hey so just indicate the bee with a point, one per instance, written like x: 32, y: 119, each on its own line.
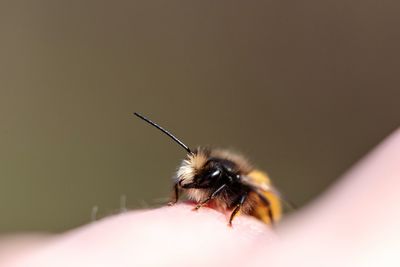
x: 225, y: 179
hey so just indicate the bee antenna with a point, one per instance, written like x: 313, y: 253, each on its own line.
x: 164, y: 131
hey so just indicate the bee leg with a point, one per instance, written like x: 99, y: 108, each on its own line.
x: 266, y: 202
x: 237, y: 208
x: 176, y: 195
x: 212, y: 196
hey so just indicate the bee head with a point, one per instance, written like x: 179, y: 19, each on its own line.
x: 204, y: 167
x: 201, y: 170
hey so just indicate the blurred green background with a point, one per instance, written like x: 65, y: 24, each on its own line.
x: 304, y: 88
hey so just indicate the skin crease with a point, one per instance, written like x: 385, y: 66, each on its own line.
x: 355, y: 223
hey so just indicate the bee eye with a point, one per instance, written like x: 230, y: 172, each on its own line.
x: 215, y: 173
x: 208, y: 178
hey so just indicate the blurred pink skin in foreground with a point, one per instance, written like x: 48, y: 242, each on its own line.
x: 356, y: 223
x: 170, y: 236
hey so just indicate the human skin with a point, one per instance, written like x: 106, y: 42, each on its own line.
x: 355, y: 223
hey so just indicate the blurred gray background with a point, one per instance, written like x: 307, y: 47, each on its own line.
x: 304, y: 88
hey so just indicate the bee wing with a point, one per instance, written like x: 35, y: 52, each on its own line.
x: 260, y: 187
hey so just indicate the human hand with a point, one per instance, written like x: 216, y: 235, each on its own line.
x: 355, y: 223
